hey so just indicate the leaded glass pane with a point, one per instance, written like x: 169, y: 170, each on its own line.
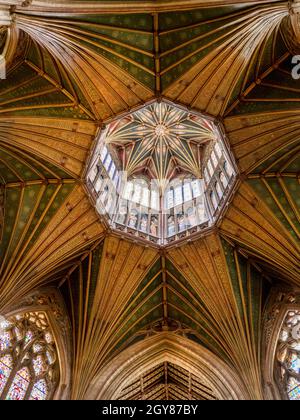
x: 39, y: 391
x: 6, y: 364
x: 19, y: 386
x: 28, y: 346
x: 288, y: 354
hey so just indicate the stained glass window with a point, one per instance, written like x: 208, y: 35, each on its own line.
x: 178, y: 195
x: 154, y: 199
x: 28, y: 358
x: 170, y: 198
x: 128, y: 190
x: 39, y: 391
x: 180, y: 151
x: 103, y: 153
x: 288, y: 354
x: 107, y: 162
x: 223, y: 180
x: 6, y: 364
x: 19, y: 386
x: 213, y: 200
x: 137, y: 193
x: 218, y: 189
x: 214, y: 159
x: 228, y: 169
x: 196, y: 187
x: 98, y: 184
x: 145, y: 197
x: 187, y: 192
x: 218, y: 150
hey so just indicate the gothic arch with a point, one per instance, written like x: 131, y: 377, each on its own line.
x: 50, y: 302
x: 160, y: 348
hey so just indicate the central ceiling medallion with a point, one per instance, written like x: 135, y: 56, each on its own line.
x: 160, y: 173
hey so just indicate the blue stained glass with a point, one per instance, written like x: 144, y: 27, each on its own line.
x: 295, y: 393
x: 295, y: 363
x: 39, y: 391
x: 19, y: 386
x: 38, y: 365
x: 37, y: 347
x: 5, y: 340
x: 6, y: 364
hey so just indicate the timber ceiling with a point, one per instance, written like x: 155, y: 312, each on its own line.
x: 167, y: 382
x: 75, y: 64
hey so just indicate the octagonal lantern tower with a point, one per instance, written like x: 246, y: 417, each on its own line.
x: 161, y: 173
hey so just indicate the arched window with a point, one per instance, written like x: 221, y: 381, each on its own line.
x: 170, y: 198
x: 137, y: 192
x: 218, y: 150
x: 93, y: 173
x: 154, y: 204
x: 228, y: 169
x: 28, y: 358
x: 107, y: 161
x: 288, y: 354
x: 210, y: 168
x: 128, y: 190
x: 219, y: 190
x: 133, y: 218
x: 223, y: 180
x: 112, y: 170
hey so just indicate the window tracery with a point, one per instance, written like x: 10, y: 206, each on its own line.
x: 161, y: 194
x: 288, y: 354
x: 28, y: 358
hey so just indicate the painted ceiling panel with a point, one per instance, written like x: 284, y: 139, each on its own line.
x: 225, y: 54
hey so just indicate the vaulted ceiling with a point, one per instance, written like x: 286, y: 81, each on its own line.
x: 72, y: 65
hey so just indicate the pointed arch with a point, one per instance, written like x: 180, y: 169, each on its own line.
x: 160, y: 348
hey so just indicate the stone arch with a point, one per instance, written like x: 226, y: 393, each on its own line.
x: 50, y: 302
x: 280, y: 302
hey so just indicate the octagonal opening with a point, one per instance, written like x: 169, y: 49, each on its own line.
x: 161, y: 172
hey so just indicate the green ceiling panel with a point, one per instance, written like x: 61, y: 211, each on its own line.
x: 272, y: 194
x: 11, y: 206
